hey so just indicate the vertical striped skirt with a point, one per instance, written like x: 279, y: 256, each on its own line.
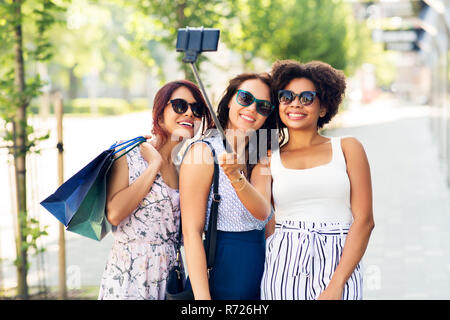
x: 301, y: 258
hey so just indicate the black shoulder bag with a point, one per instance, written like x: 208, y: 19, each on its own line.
x: 175, y: 289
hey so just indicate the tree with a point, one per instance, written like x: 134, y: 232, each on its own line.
x: 113, y: 39
x: 169, y: 16
x: 80, y: 44
x: 302, y: 30
x: 23, y: 41
x: 252, y: 27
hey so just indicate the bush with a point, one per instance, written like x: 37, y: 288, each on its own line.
x: 140, y: 104
x: 105, y: 106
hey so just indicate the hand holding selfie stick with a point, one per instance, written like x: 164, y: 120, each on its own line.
x: 193, y: 41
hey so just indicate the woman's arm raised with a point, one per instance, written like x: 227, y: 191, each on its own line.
x: 254, y: 195
x: 123, y: 198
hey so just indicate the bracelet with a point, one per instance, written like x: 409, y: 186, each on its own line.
x: 241, y: 177
x: 243, y: 186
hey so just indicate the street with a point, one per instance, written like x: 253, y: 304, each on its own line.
x: 408, y: 256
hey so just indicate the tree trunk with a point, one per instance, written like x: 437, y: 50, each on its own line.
x: 20, y: 142
x: 73, y: 83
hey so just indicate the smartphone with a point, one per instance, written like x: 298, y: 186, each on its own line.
x: 196, y: 40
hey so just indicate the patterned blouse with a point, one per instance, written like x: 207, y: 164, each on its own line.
x: 144, y: 242
x: 232, y: 214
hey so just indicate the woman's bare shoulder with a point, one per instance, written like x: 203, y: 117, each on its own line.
x: 351, y: 144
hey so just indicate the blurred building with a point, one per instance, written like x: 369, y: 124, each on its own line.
x: 420, y: 30
x: 435, y: 53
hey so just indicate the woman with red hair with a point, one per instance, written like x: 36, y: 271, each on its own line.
x: 143, y: 199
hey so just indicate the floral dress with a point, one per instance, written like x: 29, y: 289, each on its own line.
x: 144, y: 243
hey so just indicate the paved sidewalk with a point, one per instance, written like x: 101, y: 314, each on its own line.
x: 408, y: 254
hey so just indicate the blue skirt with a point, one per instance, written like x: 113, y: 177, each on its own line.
x: 238, y: 267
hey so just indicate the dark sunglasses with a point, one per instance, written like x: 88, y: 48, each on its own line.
x: 245, y: 99
x: 306, y: 98
x: 180, y: 106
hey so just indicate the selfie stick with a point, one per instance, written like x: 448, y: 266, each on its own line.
x: 211, y: 111
x: 192, y: 45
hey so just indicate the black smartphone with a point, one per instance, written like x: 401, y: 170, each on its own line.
x: 196, y: 40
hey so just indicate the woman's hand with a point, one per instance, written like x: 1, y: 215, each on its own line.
x: 122, y: 197
x: 332, y: 292
x: 149, y: 152
x: 231, y: 165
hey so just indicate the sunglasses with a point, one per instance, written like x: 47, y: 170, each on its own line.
x: 180, y: 106
x: 245, y: 99
x: 306, y: 98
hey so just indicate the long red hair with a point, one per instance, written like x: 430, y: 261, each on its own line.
x: 162, y: 98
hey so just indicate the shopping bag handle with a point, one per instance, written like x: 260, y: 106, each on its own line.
x: 133, y: 143
x: 128, y: 142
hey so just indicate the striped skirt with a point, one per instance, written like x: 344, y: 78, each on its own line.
x: 301, y: 257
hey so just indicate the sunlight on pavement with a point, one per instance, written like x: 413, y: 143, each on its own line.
x: 379, y: 111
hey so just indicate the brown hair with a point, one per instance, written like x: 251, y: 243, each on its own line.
x: 329, y: 82
x: 230, y: 92
x: 162, y: 99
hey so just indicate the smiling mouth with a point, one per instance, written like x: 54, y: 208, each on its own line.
x: 186, y: 124
x: 247, y: 118
x: 296, y: 116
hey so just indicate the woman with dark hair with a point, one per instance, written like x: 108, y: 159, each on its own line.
x: 321, y: 191
x: 245, y: 111
x: 143, y: 199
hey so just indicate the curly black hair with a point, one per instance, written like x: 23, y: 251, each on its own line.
x: 329, y: 82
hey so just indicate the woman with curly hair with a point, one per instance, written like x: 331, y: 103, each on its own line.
x: 321, y: 192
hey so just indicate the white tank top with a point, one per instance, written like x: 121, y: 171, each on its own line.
x: 318, y: 194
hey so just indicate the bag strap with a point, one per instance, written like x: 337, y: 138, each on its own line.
x: 128, y: 142
x: 211, y: 233
x: 133, y: 143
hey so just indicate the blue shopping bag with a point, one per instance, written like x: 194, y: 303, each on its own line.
x: 79, y: 203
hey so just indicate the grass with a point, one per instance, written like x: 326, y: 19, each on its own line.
x: 35, y: 293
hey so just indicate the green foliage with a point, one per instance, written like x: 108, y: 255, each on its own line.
x: 140, y: 104
x: 24, y: 27
x: 103, y: 106
x: 32, y: 230
x: 108, y: 39
x: 44, y: 14
x: 166, y: 17
x: 302, y: 30
x: 121, y: 40
x: 385, y: 66
x: 36, y: 20
x: 106, y: 106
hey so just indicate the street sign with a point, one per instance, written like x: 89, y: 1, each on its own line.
x: 396, y: 9
x: 398, y: 40
x: 401, y: 46
x: 411, y: 35
x: 389, y: 9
